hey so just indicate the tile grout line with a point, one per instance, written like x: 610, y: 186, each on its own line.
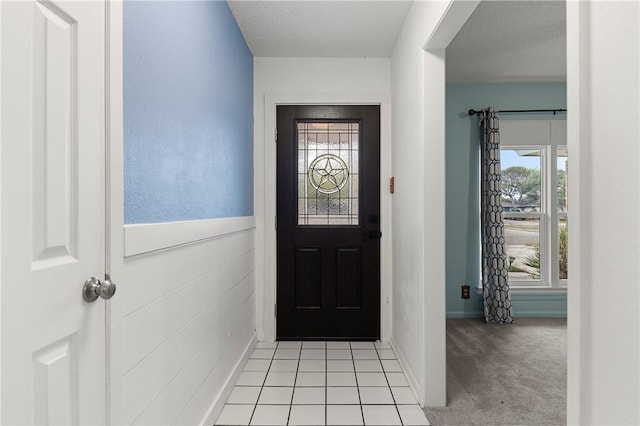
x: 299, y: 359
x: 326, y: 383
x: 384, y: 371
x: 355, y: 374
x: 263, y: 382
x: 295, y: 379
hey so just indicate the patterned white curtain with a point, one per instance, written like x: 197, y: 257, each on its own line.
x: 495, y: 275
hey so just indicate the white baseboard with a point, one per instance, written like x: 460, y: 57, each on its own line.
x: 541, y: 314
x: 218, y: 403
x: 464, y: 314
x: 518, y: 314
x: 408, y: 372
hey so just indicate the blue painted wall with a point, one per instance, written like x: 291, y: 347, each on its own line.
x: 188, y: 112
x: 463, y: 209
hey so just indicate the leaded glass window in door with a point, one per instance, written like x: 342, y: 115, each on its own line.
x: 328, y: 173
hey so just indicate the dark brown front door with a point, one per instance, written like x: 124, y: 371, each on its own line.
x: 328, y: 222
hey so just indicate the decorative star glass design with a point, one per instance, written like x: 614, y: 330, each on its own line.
x: 328, y: 173
x: 328, y: 165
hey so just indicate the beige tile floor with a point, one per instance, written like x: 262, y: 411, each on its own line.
x: 322, y: 383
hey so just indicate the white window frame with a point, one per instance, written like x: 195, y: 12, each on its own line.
x: 555, y: 216
x: 547, y: 136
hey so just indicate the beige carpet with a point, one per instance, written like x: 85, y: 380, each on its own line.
x: 505, y: 375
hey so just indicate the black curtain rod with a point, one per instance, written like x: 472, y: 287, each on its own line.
x: 554, y: 111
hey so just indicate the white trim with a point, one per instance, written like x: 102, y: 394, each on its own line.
x: 530, y: 291
x: 108, y: 353
x: 450, y: 23
x: 266, y: 240
x: 464, y: 315
x: 521, y: 314
x: 218, y: 402
x: 115, y: 212
x: 579, y: 298
x: 542, y: 314
x: 433, y: 346
x: 148, y: 237
x: 1, y: 144
x: 409, y: 374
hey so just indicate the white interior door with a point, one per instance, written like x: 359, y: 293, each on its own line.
x: 53, y: 211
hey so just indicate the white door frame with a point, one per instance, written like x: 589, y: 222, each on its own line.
x: 266, y: 240
x: 115, y: 209
x: 578, y: 122
x: 434, y: 381
x: 1, y: 141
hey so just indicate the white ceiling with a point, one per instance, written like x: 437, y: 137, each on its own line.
x: 510, y: 41
x: 320, y: 28
x: 503, y: 41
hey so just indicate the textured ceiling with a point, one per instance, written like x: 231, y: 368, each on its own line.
x: 510, y: 41
x: 320, y: 28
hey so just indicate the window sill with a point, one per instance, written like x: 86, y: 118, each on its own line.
x: 538, y: 290
x: 522, y: 290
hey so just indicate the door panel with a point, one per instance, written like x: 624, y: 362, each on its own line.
x: 54, y: 383
x: 53, y: 211
x: 348, y: 278
x: 328, y: 236
x: 54, y: 143
x: 308, y: 275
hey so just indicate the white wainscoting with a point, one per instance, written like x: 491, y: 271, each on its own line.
x: 147, y: 237
x: 188, y: 316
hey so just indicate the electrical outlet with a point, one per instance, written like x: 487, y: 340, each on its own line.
x: 466, y: 292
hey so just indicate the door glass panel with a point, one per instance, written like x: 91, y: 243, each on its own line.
x: 328, y: 173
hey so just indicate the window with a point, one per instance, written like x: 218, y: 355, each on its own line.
x: 563, y: 224
x: 534, y: 205
x: 328, y: 173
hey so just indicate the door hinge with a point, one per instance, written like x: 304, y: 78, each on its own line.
x: 275, y: 311
x: 275, y: 135
x: 275, y: 223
